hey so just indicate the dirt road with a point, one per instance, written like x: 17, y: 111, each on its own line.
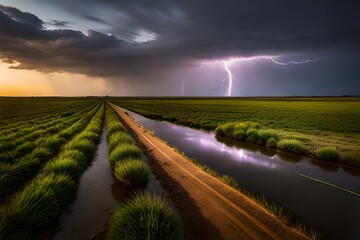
x: 209, y: 208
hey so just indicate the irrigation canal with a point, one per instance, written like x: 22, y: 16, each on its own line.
x: 323, y: 196
x: 97, y: 198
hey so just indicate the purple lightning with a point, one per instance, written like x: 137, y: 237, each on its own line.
x: 230, y: 76
x: 291, y: 62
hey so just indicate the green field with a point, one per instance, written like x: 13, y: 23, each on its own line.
x: 46, y: 144
x: 316, y: 122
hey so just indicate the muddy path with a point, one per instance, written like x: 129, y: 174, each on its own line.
x: 215, y: 209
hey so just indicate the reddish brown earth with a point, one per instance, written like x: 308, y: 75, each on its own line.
x: 209, y: 209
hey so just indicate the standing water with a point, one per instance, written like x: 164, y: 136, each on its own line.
x: 97, y: 199
x: 290, y: 180
x: 91, y: 210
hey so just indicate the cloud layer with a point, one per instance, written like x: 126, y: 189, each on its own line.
x: 185, y: 32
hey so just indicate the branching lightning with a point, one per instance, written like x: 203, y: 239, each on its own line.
x: 230, y: 76
x: 291, y: 62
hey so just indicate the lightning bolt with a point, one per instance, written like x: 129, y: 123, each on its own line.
x: 292, y: 62
x: 230, y: 76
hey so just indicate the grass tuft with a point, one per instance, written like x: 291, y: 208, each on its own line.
x: 252, y: 135
x: 66, y: 166
x: 124, y: 152
x: 117, y: 139
x: 144, y: 217
x: 73, y: 154
x: 270, y: 143
x: 353, y: 159
x: 329, y: 154
x: 239, y: 135
x: 54, y: 143
x: 264, y: 135
x: 291, y: 145
x: 114, y: 127
x: 43, y: 154
x: 25, y: 148
x: 132, y: 171
x: 83, y: 145
x: 37, y: 206
x: 93, y: 137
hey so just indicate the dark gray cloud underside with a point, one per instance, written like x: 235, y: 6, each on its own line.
x: 186, y: 31
x: 59, y: 23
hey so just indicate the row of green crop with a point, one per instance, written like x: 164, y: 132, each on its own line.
x: 33, y: 109
x: 42, y: 201
x: 22, y: 129
x: 14, y: 175
x: 37, y: 114
x: 124, y: 156
x: 9, y: 146
x: 251, y: 132
x: 143, y: 216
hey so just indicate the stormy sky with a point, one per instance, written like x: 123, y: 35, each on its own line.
x: 165, y: 47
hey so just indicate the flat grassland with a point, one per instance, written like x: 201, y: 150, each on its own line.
x: 45, y: 146
x: 316, y: 122
x: 32, y: 131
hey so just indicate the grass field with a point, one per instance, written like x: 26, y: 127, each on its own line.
x: 34, y: 134
x: 47, y: 143
x: 316, y: 122
x: 44, y: 150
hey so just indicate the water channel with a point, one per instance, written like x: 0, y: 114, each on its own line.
x: 287, y: 179
x: 97, y: 198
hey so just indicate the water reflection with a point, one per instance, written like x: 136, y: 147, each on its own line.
x: 351, y: 171
x: 325, y: 166
x: 276, y: 174
x: 121, y: 191
x: 236, y: 153
x: 291, y: 158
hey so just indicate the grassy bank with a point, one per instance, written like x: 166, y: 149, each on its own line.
x: 315, y: 122
x: 252, y: 132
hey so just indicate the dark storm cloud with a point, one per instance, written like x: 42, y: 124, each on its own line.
x: 23, y: 17
x: 59, y: 24
x: 185, y: 30
x: 95, y: 19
